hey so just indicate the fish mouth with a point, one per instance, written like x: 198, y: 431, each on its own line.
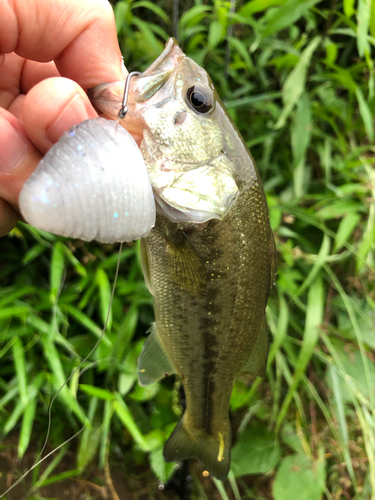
x: 107, y: 97
x: 171, y: 57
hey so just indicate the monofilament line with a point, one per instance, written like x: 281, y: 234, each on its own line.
x: 38, y: 462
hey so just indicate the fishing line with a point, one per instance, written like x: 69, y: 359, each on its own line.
x: 38, y: 462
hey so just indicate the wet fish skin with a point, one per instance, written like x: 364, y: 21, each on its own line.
x: 211, y: 267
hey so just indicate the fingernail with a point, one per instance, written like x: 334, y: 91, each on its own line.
x: 12, y: 145
x: 73, y: 113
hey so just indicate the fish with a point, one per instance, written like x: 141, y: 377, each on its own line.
x: 209, y: 262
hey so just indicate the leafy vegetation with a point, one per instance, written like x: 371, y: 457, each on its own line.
x: 298, y: 80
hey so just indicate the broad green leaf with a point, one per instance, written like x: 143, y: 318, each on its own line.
x: 349, y: 7
x: 297, y: 473
x: 339, y: 208
x: 345, y: 229
x: 258, y: 6
x: 145, y: 393
x: 363, y: 23
x: 353, y: 369
x: 215, y: 34
x: 295, y: 83
x: 372, y: 19
x: 332, y: 52
x: 161, y: 468
x: 256, y: 452
x: 194, y: 15
x: 290, y: 437
x: 238, y: 46
x: 121, y: 10
x: 286, y: 15
x: 156, y: 9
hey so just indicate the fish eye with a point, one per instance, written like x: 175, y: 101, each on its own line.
x: 200, y: 99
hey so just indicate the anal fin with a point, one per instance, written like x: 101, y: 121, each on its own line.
x: 153, y: 362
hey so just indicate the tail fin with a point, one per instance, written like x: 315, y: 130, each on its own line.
x: 212, y: 450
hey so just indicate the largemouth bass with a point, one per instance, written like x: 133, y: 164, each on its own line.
x: 209, y: 262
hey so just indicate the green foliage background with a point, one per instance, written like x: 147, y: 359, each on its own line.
x: 297, y: 77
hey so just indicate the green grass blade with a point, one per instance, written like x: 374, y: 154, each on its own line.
x: 20, y: 365
x: 127, y: 419
x: 314, y: 318
x: 57, y: 271
x: 104, y: 288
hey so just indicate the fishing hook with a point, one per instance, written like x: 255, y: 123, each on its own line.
x: 124, y: 106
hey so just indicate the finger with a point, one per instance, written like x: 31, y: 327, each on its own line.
x: 8, y: 217
x: 10, y: 75
x: 17, y: 106
x: 18, y: 159
x: 51, y: 108
x: 34, y: 72
x: 80, y: 35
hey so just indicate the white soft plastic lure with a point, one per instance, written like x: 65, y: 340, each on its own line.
x: 93, y: 185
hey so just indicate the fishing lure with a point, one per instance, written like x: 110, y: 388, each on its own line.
x: 92, y: 184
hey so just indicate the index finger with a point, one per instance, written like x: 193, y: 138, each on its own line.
x: 79, y: 35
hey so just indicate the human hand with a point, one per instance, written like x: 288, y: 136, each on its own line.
x: 50, y: 53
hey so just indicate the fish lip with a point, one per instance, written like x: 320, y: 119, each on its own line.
x: 171, y: 57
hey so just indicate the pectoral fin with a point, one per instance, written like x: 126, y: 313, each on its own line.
x: 153, y: 362
x: 257, y: 362
x: 186, y: 268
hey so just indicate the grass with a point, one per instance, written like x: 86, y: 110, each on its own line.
x: 300, y: 87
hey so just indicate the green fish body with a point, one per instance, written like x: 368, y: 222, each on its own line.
x: 209, y: 262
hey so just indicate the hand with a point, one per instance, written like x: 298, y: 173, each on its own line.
x: 50, y: 53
